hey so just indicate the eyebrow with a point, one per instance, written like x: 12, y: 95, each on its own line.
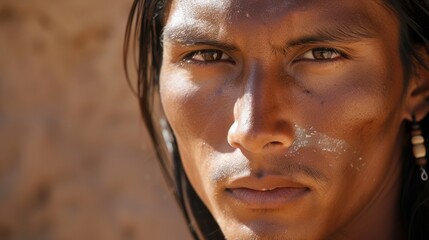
x: 339, y: 33
x: 190, y: 36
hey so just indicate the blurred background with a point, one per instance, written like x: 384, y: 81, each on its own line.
x: 75, y: 160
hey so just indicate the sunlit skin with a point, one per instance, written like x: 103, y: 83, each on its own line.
x: 289, y: 114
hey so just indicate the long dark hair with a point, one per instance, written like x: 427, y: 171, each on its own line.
x: 143, y: 39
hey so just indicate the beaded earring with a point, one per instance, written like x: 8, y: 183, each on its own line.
x: 419, y: 148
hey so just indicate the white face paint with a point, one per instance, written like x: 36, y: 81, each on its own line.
x: 314, y: 139
x: 304, y: 138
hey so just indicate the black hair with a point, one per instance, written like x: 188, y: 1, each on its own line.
x: 143, y: 32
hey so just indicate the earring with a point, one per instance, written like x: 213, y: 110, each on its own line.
x: 419, y: 148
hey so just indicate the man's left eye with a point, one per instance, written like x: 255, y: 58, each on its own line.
x: 322, y: 54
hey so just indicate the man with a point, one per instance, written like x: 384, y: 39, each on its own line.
x: 289, y: 117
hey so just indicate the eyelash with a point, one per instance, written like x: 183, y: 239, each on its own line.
x: 312, y: 55
x: 218, y: 56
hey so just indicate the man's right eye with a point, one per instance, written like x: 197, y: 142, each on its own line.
x: 207, y: 56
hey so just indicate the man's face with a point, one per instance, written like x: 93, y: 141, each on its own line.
x: 287, y: 113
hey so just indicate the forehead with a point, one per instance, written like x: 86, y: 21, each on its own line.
x: 227, y: 16
x: 233, y: 8
x: 210, y: 10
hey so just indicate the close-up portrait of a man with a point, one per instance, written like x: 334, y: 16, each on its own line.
x: 288, y: 119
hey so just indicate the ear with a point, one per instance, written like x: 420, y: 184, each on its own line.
x: 418, y: 89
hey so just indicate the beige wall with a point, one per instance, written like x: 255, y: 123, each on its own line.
x: 75, y: 162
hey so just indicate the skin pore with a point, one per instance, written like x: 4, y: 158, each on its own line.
x: 289, y: 114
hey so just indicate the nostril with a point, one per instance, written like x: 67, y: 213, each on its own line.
x: 273, y: 144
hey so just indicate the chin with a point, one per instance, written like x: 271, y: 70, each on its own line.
x: 259, y: 230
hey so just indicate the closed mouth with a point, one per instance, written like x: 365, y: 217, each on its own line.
x: 270, y: 192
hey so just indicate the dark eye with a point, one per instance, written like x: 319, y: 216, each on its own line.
x: 320, y: 54
x: 207, y: 56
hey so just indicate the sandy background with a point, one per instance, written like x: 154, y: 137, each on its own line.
x: 75, y: 162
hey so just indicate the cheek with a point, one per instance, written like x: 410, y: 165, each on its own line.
x: 178, y: 98
x: 362, y: 104
x: 368, y: 115
x: 200, y: 120
x: 378, y: 101
x: 363, y: 109
x: 197, y: 108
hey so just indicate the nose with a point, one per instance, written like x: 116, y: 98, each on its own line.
x: 261, y: 113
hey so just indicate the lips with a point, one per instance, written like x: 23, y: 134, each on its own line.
x: 270, y: 192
